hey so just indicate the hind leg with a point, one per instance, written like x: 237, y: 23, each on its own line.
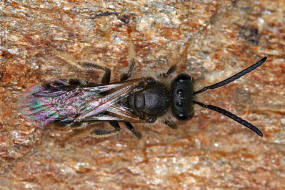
x: 125, y: 77
x: 115, y: 124
x: 84, y: 66
x: 105, y: 80
x: 107, y: 72
x: 106, y: 133
x: 133, y: 130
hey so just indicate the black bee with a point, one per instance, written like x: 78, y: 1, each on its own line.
x: 140, y: 100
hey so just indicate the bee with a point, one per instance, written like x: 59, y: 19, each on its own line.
x: 140, y: 100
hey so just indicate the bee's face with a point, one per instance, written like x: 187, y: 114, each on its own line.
x: 182, y: 97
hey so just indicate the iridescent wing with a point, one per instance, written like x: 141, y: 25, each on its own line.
x: 60, y: 101
x: 35, y: 105
x: 106, y: 107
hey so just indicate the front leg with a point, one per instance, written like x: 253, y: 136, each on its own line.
x: 170, y: 70
x: 170, y: 124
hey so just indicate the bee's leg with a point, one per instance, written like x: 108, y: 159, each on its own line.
x: 105, y: 80
x: 115, y: 124
x: 107, y: 75
x: 150, y: 119
x: 133, y: 130
x: 99, y: 133
x: 76, y: 126
x: 84, y: 64
x: 170, y: 70
x: 69, y: 123
x: 127, y: 75
x: 107, y: 133
x: 77, y: 82
x: 170, y: 124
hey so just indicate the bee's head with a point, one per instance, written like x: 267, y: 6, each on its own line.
x: 182, y: 97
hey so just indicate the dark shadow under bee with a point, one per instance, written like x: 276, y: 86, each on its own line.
x: 72, y: 102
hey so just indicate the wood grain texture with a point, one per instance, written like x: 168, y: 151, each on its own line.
x: 211, y: 40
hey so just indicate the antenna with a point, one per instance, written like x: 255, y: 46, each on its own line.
x: 225, y: 82
x: 234, y: 77
x: 232, y: 116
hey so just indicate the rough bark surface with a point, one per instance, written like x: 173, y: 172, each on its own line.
x: 210, y: 40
